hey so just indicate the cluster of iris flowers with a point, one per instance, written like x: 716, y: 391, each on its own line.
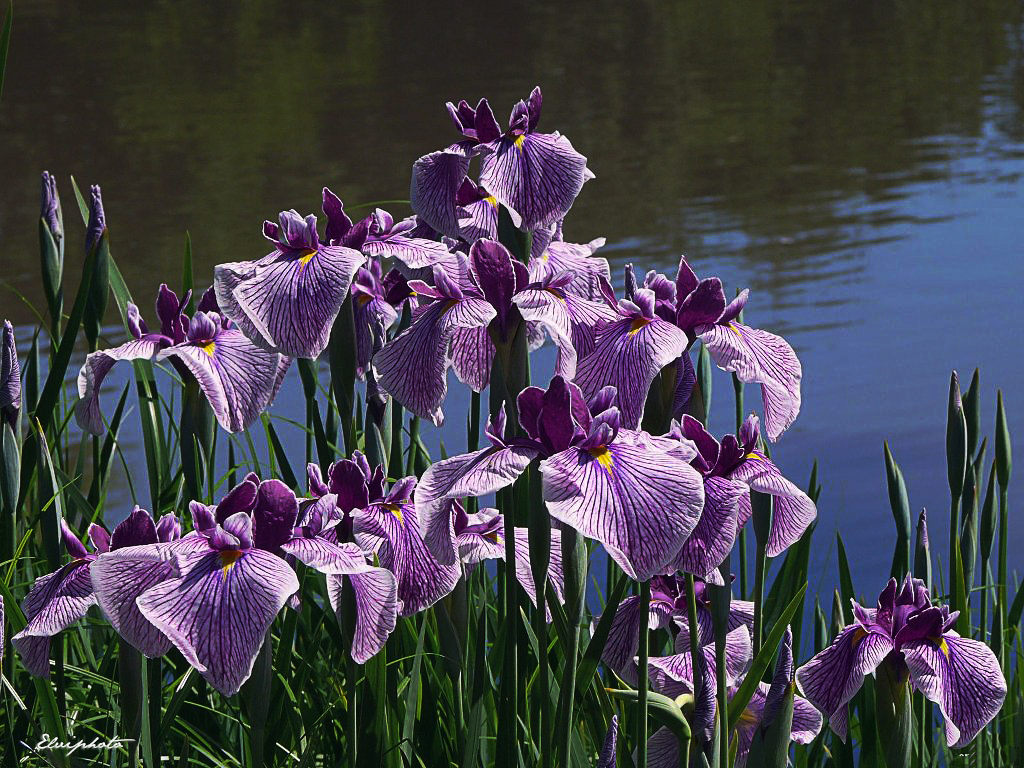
x: 614, y: 441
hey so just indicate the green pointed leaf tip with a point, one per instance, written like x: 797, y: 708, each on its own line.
x: 1004, y: 453
x: 898, y: 500
x: 972, y: 411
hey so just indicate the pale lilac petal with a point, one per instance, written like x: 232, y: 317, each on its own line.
x: 412, y: 366
x: 119, y: 578
x: 621, y: 646
x: 587, y: 270
x: 963, y: 677
x: 436, y: 179
x: 640, y: 503
x: 55, y: 602
x: 793, y: 510
x: 472, y: 355
x: 94, y: 371
x: 628, y: 355
x: 757, y: 356
x: 326, y: 556
x: 830, y: 679
x: 237, y: 377
x: 218, y: 612
x: 524, y: 573
x: 662, y: 750
x: 471, y: 474
x: 414, y: 253
x: 679, y: 667
x: 537, y: 176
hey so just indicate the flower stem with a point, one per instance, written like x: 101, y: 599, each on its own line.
x: 641, y: 682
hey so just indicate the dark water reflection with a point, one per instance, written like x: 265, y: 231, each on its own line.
x: 857, y: 165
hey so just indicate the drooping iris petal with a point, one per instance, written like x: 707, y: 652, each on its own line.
x: 807, y: 722
x: 422, y: 580
x: 375, y: 590
x: 415, y: 253
x: 621, y: 648
x: 963, y: 677
x: 524, y: 573
x: 472, y: 474
x: 121, y: 576
x: 679, y: 667
x: 412, y: 366
x: 472, y: 355
x: 830, y: 679
x: 436, y: 179
x: 94, y: 371
x: 711, y: 541
x: 662, y: 750
x: 587, y: 270
x: 756, y: 356
x: 237, y: 377
x: 218, y: 611
x: 287, y: 301
x: 55, y: 602
x: 793, y: 510
x: 537, y: 176
x: 638, y: 501
x: 628, y: 354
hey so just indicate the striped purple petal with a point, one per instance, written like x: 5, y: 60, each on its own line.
x: 287, y: 301
x: 95, y: 369
x: 238, y: 378
x: 537, y: 176
x: 831, y: 678
x: 637, y: 500
x: 627, y: 355
x: 412, y: 367
x: 679, y: 667
x: 218, y: 611
x: 794, y: 510
x: 524, y: 572
x: 662, y: 750
x: 436, y: 179
x: 377, y: 608
x: 711, y: 541
x: 472, y: 355
x: 578, y: 260
x: 963, y: 677
x: 807, y: 722
x: 55, y: 602
x: 759, y: 357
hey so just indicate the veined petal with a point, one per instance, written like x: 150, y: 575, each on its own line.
x: 471, y: 474
x: 119, y: 578
x: 679, y: 667
x: 218, y: 612
x: 435, y: 182
x: 640, y: 503
x: 587, y: 270
x: 472, y: 354
x: 963, y: 677
x: 830, y: 679
x: 377, y: 608
x: 328, y: 557
x: 807, y: 722
x: 662, y: 750
x: 237, y: 377
x: 621, y: 647
x: 712, y: 539
x: 524, y: 573
x: 287, y: 302
x: 414, y: 253
x: 628, y: 354
x: 536, y: 176
x: 90, y: 378
x: 794, y: 510
x: 55, y: 602
x: 763, y: 358
x: 412, y: 366
x: 422, y: 580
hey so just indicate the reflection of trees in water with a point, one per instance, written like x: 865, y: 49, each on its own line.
x: 772, y: 133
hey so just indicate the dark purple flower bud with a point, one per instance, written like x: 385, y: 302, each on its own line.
x: 10, y: 378
x: 50, y: 208
x: 97, y: 220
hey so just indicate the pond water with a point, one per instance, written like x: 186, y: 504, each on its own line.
x: 858, y: 166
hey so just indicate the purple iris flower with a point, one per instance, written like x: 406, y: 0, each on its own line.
x: 238, y: 378
x: 917, y: 641
x: 536, y: 176
x: 461, y: 315
x: 663, y: 747
x: 10, y: 378
x: 287, y: 301
x: 377, y: 299
x: 385, y: 523
x: 636, y: 494
x: 667, y: 609
x: 61, y: 598
x: 590, y: 274
x: 738, y: 463
x: 213, y: 593
x: 481, y: 536
x: 662, y: 320
x: 402, y: 241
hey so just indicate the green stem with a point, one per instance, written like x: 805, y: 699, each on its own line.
x: 694, y: 628
x: 574, y: 567
x: 641, y: 675
x: 129, y: 673
x: 762, y: 511
x: 998, y: 643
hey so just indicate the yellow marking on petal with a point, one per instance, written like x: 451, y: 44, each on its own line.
x: 228, y: 558
x: 858, y: 636
x: 396, y: 510
x: 604, y: 458
x: 363, y: 299
x: 942, y: 645
x: 520, y: 140
x: 637, y: 324
x: 208, y: 348
x: 492, y: 200
x: 452, y: 304
x: 753, y: 455
x: 747, y: 717
x: 307, y: 256
x: 493, y: 537
x: 735, y: 330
